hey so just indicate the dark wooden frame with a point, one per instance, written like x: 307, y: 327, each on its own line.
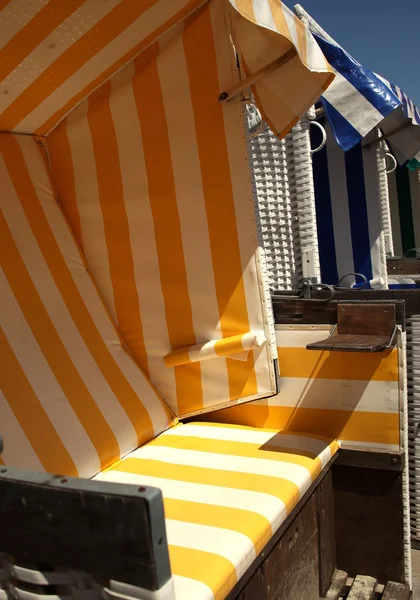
x: 403, y: 266
x: 368, y: 485
x: 111, y: 530
x: 299, y: 560
x: 322, y: 310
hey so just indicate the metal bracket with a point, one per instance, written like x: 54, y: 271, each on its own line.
x: 391, y: 339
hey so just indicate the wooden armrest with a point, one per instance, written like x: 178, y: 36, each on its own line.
x: 111, y: 530
x: 352, y: 343
x: 361, y: 327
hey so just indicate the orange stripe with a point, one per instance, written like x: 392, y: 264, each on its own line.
x: 318, y: 364
x: 59, y: 150
x: 279, y: 20
x: 301, y: 36
x: 227, y: 346
x: 75, y: 304
x: 31, y: 415
x: 268, y: 451
x: 380, y: 428
x: 34, y: 32
x: 149, y: 39
x: 246, y: 8
x: 218, y: 193
x: 55, y: 352
x: 117, y: 233
x: 219, y: 574
x: 73, y: 59
x: 162, y: 197
x: 4, y: 3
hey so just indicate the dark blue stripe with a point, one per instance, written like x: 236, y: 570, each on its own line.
x: 359, y: 224
x: 364, y: 80
x: 324, y: 220
x: 345, y: 134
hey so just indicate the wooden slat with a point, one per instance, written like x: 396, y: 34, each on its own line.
x: 361, y: 327
x: 369, y: 522
x: 366, y: 319
x: 336, y: 587
x: 273, y: 546
x: 363, y: 588
x: 351, y: 343
x: 404, y: 266
x: 371, y: 459
x: 326, y: 527
x: 291, y: 571
x: 291, y: 311
x: 396, y: 591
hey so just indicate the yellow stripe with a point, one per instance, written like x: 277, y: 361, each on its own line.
x: 106, y: 74
x: 283, y: 489
x: 75, y: 304
x: 227, y: 346
x: 380, y: 428
x: 123, y: 391
x: 301, y: 36
x: 168, y: 235
x: 34, y: 32
x: 304, y: 458
x: 117, y: 233
x: 31, y: 415
x: 247, y: 522
x: 218, y: 194
x: 279, y: 20
x: 246, y: 8
x: 55, y: 352
x: 73, y: 59
x: 232, y: 425
x: 318, y: 364
x: 219, y: 575
x: 59, y: 151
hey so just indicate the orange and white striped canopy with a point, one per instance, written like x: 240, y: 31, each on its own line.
x: 54, y: 53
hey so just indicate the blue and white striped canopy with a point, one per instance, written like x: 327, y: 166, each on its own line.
x: 359, y: 100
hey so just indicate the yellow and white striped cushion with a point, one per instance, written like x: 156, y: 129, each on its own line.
x: 226, y: 490
x: 337, y: 394
x: 72, y: 399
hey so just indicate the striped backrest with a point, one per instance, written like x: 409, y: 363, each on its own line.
x: 348, y: 210
x: 345, y: 395
x: 404, y: 198
x: 72, y: 399
x: 151, y: 173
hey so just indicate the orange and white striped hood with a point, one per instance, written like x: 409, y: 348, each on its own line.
x: 54, y: 53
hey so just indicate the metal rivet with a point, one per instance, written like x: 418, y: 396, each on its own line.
x: 223, y: 96
x: 142, y: 489
x: 394, y: 460
x: 4, y: 471
x: 64, y: 480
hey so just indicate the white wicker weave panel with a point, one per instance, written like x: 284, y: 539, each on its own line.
x: 384, y: 200
x: 302, y: 193
x: 413, y: 398
x: 269, y: 178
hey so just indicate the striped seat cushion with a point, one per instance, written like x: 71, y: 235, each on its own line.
x: 226, y: 490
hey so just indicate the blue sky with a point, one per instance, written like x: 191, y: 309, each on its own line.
x: 383, y: 35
